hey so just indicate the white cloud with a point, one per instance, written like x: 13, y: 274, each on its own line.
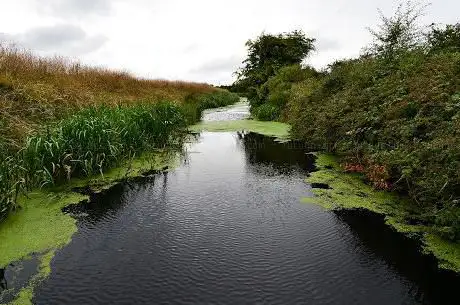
x: 73, y: 8
x: 200, y: 40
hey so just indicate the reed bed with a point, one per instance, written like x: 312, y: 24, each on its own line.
x: 60, y: 119
x: 35, y: 89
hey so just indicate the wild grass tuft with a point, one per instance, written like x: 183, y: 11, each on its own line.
x: 86, y: 144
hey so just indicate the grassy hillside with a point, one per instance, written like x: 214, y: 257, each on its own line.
x: 59, y: 119
x: 35, y: 89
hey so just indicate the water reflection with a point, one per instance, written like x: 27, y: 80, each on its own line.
x: 428, y: 284
x: 260, y: 149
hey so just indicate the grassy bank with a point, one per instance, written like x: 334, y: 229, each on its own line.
x: 66, y: 126
x: 61, y: 120
x: 36, y: 90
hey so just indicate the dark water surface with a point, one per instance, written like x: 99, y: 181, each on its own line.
x: 228, y: 227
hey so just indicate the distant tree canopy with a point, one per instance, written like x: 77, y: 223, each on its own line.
x: 267, y: 54
x: 445, y: 39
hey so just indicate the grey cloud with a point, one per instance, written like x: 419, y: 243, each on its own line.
x: 75, y: 8
x: 215, y: 66
x: 61, y: 38
x: 326, y: 44
x: 53, y: 36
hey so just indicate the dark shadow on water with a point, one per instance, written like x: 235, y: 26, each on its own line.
x: 260, y: 149
x: 3, y: 282
x: 432, y: 285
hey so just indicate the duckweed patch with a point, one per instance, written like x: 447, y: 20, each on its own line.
x: 274, y: 129
x: 348, y: 191
x: 40, y: 226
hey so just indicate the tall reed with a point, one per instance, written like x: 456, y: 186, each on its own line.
x: 86, y: 144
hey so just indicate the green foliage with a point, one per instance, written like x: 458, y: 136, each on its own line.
x: 195, y: 104
x: 444, y: 39
x: 278, y: 88
x: 86, y: 144
x: 266, y: 112
x: 407, y: 121
x: 266, y: 55
x: 95, y: 139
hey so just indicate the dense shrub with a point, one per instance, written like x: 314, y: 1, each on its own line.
x: 277, y: 91
x: 393, y: 113
x: 266, y: 112
x: 405, y: 120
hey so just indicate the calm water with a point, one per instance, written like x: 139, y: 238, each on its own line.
x: 228, y: 227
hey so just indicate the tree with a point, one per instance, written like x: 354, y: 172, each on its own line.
x: 398, y: 33
x: 445, y: 39
x: 267, y: 54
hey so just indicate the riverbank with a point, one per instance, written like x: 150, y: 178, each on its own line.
x: 37, y: 225
x: 338, y: 190
x: 69, y: 131
x: 40, y: 227
x: 61, y: 120
x: 391, y: 114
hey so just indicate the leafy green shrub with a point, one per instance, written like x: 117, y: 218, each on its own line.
x: 266, y: 112
x: 406, y: 119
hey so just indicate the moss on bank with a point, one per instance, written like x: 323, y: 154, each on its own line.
x: 348, y: 191
x: 275, y: 129
x: 40, y: 227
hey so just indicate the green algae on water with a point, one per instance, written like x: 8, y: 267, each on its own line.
x: 348, y: 191
x: 275, y: 129
x: 37, y: 226
x: 40, y: 226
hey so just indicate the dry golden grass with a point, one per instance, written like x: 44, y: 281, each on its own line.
x: 34, y: 89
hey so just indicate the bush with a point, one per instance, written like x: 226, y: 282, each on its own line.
x: 405, y: 120
x: 266, y: 112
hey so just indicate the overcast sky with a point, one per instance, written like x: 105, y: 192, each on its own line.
x: 198, y: 40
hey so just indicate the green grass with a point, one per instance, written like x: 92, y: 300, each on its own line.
x: 87, y: 144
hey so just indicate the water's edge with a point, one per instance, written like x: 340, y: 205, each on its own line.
x: 75, y: 198
x: 346, y: 191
